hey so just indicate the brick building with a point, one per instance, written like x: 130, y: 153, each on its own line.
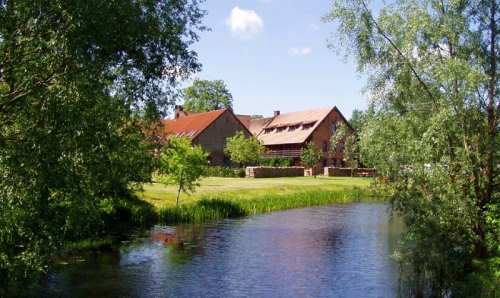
x: 285, y: 135
x: 208, y: 129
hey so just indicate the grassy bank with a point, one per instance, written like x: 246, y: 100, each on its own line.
x: 243, y: 189
x: 220, y: 198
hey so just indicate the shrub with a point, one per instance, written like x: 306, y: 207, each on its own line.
x: 276, y: 162
x: 224, y: 172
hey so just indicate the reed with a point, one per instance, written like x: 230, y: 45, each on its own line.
x: 208, y: 209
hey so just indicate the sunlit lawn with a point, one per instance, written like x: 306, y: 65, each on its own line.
x: 245, y: 188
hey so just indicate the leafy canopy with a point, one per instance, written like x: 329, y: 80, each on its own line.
x: 243, y: 149
x: 182, y: 164
x: 432, y: 129
x: 205, y: 96
x: 309, y: 156
x: 73, y: 77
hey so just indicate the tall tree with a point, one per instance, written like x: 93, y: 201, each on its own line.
x: 433, y: 129
x: 72, y: 76
x: 357, y: 120
x: 204, y: 96
x: 243, y: 149
x: 311, y: 158
x: 182, y: 164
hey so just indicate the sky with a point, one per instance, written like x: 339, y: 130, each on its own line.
x: 272, y: 55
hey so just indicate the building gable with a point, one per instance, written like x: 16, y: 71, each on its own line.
x: 290, y: 128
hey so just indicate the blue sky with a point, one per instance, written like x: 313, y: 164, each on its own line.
x: 273, y: 55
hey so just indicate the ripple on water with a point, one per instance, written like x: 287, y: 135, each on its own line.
x: 329, y: 251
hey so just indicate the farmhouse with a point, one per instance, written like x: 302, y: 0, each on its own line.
x: 284, y: 135
x: 209, y: 130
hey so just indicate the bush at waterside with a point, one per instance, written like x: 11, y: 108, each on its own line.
x: 215, y: 209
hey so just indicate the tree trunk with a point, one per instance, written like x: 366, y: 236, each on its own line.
x: 177, y: 198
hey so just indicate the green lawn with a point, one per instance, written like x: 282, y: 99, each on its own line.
x: 245, y: 188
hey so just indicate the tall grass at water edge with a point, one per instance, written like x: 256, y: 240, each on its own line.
x: 208, y: 209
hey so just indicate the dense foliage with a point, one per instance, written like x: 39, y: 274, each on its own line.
x: 74, y: 75
x: 205, y: 96
x: 276, y: 162
x: 432, y: 130
x: 225, y: 172
x: 243, y: 149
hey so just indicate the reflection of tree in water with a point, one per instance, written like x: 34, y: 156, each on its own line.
x: 183, y: 242
x: 330, y: 238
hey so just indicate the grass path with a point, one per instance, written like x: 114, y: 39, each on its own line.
x: 245, y: 188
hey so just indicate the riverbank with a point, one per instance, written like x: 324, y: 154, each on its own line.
x: 220, y: 198
x: 160, y: 196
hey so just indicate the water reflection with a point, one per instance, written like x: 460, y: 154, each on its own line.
x: 331, y: 251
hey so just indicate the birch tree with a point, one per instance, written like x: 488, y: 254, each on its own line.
x: 433, y: 129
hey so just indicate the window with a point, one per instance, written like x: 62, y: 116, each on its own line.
x: 308, y: 124
x: 268, y: 130
x: 280, y: 129
x: 342, y: 147
x: 325, y: 146
x: 192, y: 133
x: 226, y: 161
x: 323, y: 163
x: 292, y: 128
x: 334, y: 127
x: 224, y: 144
x: 334, y: 163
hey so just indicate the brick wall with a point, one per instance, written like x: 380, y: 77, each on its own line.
x: 213, y: 138
x: 273, y: 172
x: 323, y: 133
x: 346, y: 172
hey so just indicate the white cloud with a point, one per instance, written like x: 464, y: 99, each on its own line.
x: 244, y: 24
x: 299, y: 51
x: 314, y: 26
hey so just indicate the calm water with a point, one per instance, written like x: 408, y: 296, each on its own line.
x: 332, y: 251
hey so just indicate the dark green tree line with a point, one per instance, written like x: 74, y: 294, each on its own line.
x: 73, y: 75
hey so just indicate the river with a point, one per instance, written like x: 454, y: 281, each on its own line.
x: 340, y: 250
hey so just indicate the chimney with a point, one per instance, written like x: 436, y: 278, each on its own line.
x: 276, y: 113
x: 178, y: 111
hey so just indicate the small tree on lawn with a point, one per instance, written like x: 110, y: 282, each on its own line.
x: 182, y: 164
x: 310, y: 158
x: 243, y: 149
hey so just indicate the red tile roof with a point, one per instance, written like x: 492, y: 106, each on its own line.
x: 191, y: 125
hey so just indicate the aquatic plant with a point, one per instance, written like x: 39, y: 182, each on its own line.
x: 215, y: 208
